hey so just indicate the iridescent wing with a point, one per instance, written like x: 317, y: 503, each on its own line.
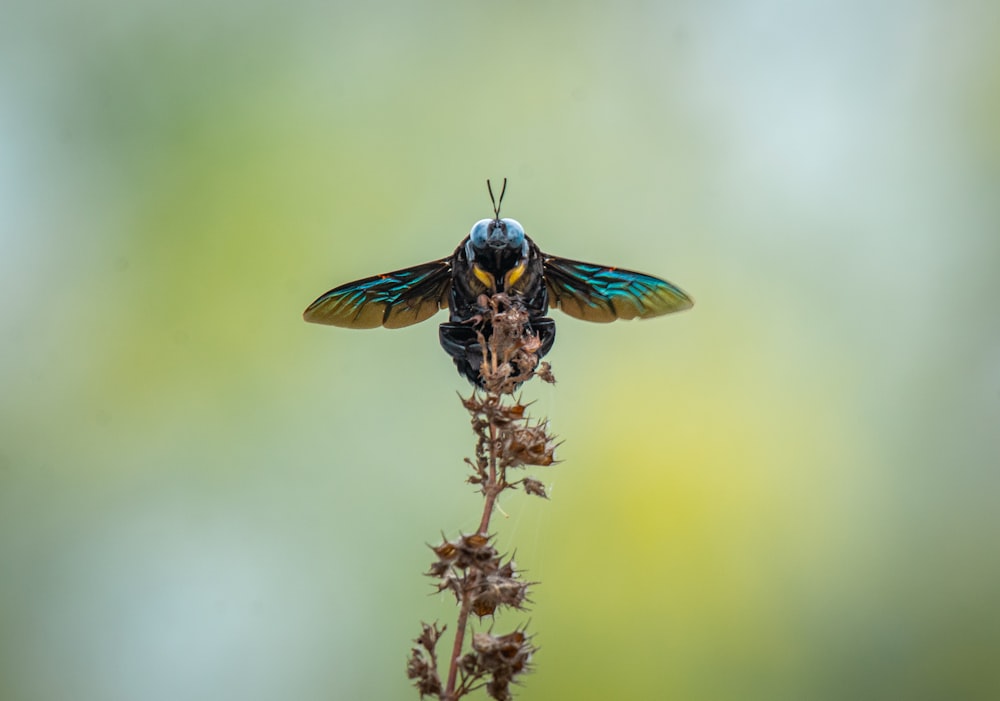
x: 392, y: 300
x: 597, y: 293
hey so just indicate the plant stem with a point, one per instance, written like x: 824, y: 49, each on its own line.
x: 491, y: 490
x: 456, y: 649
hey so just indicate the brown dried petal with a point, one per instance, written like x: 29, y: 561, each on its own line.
x: 430, y: 636
x: 544, y: 373
x: 499, y: 689
x: 468, y: 664
x: 438, y: 569
x: 447, y: 551
x: 484, y: 606
x: 452, y: 583
x: 475, y: 541
x: 533, y: 486
x: 419, y: 668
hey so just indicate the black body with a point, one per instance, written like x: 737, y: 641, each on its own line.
x: 460, y: 336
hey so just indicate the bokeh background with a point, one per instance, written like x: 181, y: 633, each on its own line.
x: 789, y: 492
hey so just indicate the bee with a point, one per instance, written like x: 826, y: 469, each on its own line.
x: 496, y: 257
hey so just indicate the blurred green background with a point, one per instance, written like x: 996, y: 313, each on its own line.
x: 788, y: 493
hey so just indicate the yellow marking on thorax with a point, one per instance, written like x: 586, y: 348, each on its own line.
x: 484, y: 277
x: 514, y: 274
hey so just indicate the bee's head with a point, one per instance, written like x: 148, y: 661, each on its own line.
x: 496, y: 235
x: 498, y: 240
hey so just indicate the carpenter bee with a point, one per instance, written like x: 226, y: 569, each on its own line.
x: 496, y: 257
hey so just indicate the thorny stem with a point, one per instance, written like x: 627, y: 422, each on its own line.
x: 456, y: 648
x: 492, y: 490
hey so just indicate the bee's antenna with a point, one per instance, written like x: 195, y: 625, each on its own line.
x: 496, y: 202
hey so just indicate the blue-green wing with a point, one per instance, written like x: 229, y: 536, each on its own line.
x: 598, y: 293
x: 392, y: 300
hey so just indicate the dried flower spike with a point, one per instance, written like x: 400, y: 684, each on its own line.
x: 469, y: 566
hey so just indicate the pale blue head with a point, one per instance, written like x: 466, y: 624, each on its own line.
x: 497, y: 235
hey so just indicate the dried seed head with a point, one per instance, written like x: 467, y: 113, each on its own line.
x: 528, y: 445
x: 421, y: 666
x: 424, y: 675
x: 465, y: 552
x: 501, y: 587
x: 498, y: 591
x: 504, y: 657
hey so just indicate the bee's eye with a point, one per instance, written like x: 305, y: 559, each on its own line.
x: 515, y: 233
x: 480, y: 232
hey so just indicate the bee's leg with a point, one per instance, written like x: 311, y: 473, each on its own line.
x: 462, y: 344
x: 546, y: 330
